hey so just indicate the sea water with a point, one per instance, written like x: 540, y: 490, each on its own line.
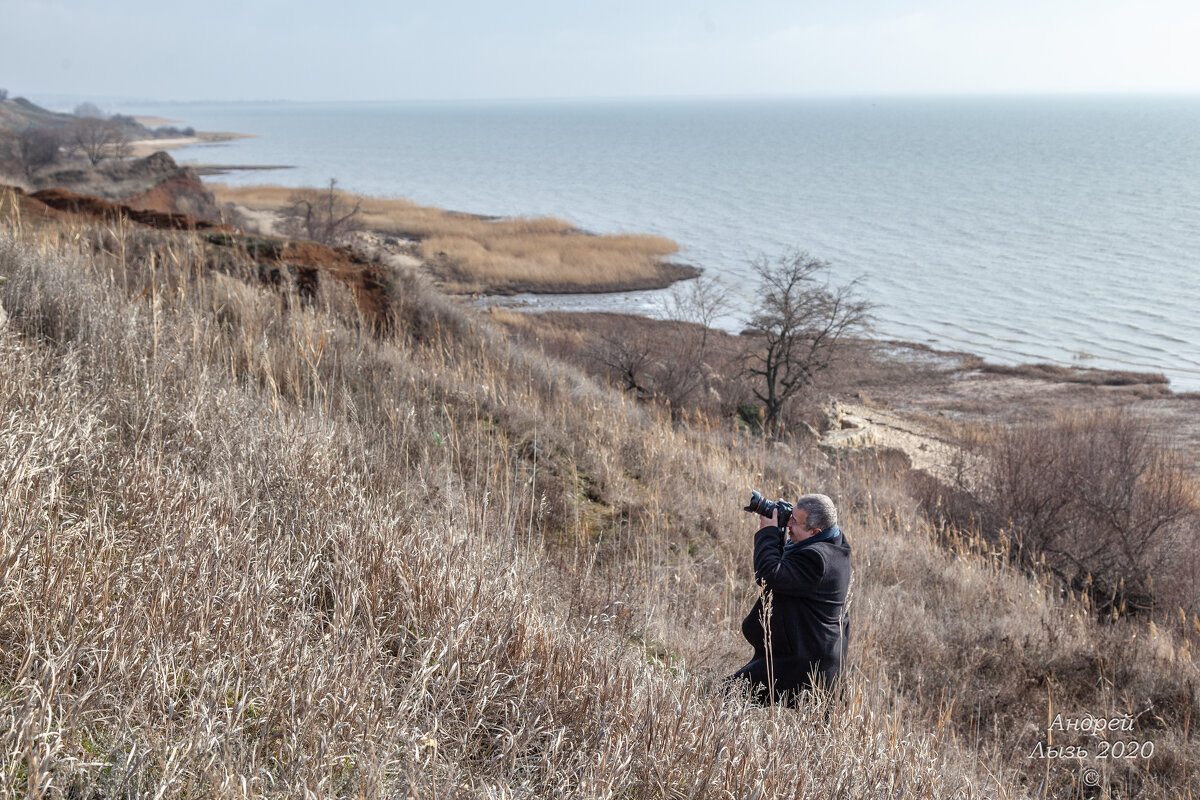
x: 1060, y: 229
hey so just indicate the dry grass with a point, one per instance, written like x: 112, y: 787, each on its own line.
x: 1086, y: 375
x: 247, y: 548
x: 477, y: 254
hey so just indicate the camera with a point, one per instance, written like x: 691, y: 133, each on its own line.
x: 763, y: 507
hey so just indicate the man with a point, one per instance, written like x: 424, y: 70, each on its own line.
x: 804, y: 580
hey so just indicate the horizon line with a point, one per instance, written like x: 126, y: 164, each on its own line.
x: 722, y: 97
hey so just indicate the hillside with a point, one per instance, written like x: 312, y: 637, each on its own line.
x: 17, y: 113
x: 152, y: 182
x: 281, y: 521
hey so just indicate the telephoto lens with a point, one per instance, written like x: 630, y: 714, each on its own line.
x: 764, y: 508
x: 759, y: 505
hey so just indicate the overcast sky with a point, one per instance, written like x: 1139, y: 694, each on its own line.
x: 471, y: 49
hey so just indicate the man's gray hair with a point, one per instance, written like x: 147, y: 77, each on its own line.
x: 822, y: 513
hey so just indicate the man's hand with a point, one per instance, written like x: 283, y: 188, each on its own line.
x: 772, y: 520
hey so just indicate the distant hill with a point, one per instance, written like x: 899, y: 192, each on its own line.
x: 18, y: 113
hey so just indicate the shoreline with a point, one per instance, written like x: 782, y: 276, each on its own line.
x: 151, y: 121
x: 211, y: 170
x: 538, y: 298
x: 473, y: 255
x: 893, y: 396
x: 140, y: 148
x: 670, y: 274
x: 904, y: 258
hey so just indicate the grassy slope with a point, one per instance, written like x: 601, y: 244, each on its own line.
x: 249, y: 547
x: 17, y: 114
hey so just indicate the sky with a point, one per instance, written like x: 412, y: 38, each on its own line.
x: 482, y: 49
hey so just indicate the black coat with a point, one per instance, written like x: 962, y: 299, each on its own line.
x: 809, y: 632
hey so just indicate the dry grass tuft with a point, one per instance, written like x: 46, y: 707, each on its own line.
x: 1086, y: 375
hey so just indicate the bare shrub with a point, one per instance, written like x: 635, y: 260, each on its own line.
x: 36, y: 148
x: 172, y: 132
x: 1093, y: 498
x: 687, y: 367
x: 325, y: 215
x: 629, y: 359
x: 675, y: 360
x: 98, y: 139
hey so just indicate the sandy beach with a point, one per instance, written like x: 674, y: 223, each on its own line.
x: 141, y: 148
x: 155, y: 122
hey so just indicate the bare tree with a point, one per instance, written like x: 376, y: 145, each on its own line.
x: 323, y: 215
x: 801, y: 319
x: 669, y: 361
x: 99, y: 139
x: 700, y: 301
x: 628, y: 361
x: 682, y: 363
x: 3, y: 95
x: 35, y: 148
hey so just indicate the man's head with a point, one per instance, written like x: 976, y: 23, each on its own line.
x: 813, y: 513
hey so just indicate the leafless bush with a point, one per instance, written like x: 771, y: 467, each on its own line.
x: 36, y: 148
x: 628, y: 358
x: 674, y: 362
x: 688, y: 365
x: 1091, y: 497
x: 98, y: 139
x: 327, y: 215
x: 172, y: 132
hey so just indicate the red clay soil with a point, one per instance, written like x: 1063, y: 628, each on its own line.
x: 30, y: 207
x: 181, y: 193
x: 95, y: 208
x: 365, y: 279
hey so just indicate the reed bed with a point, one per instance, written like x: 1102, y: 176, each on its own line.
x: 249, y: 548
x: 481, y: 254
